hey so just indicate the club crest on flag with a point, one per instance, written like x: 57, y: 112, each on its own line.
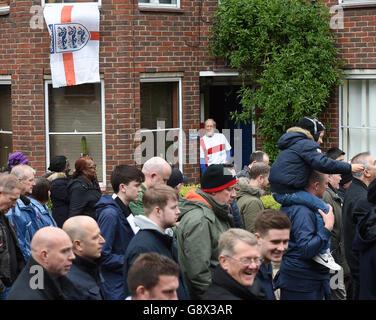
x: 68, y: 37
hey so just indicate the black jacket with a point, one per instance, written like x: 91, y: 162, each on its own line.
x: 364, y: 248
x: 59, y: 197
x: 151, y: 239
x: 85, y: 276
x: 46, y: 287
x: 11, y: 257
x: 225, y: 287
x: 355, y: 207
x: 83, y: 195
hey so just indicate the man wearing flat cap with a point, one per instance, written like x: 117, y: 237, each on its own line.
x: 204, y: 217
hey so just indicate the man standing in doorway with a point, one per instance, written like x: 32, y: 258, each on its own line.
x: 214, y: 147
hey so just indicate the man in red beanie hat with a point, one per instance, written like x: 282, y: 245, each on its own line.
x: 204, y: 217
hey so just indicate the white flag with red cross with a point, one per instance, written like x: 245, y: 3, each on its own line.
x: 74, y: 32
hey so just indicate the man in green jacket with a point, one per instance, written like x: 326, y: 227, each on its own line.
x: 249, y: 193
x: 337, y: 286
x: 204, y: 217
x: 156, y: 171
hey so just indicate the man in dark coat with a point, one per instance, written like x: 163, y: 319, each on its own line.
x: 239, y: 261
x: 364, y: 247
x: 355, y: 206
x: 87, y: 246
x: 11, y: 258
x: 44, y: 277
x: 161, y: 209
x: 116, y: 222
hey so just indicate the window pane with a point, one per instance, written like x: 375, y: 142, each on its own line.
x: 361, y: 112
x: 71, y: 147
x: 75, y: 108
x: 5, y: 108
x: 159, y: 102
x: 158, y: 1
x: 5, y: 149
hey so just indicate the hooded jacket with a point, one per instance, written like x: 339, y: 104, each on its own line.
x: 202, y: 221
x: 150, y: 238
x: 249, y: 203
x: 118, y: 233
x: 298, y: 272
x: 299, y: 154
x: 364, y: 247
x: 59, y: 197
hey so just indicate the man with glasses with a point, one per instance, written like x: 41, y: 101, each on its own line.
x: 239, y: 261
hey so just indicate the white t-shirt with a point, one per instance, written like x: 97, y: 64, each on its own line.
x: 213, y: 149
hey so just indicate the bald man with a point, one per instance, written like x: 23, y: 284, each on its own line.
x: 156, y: 171
x: 87, y: 246
x: 44, y: 276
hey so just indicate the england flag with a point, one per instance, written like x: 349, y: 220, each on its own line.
x: 74, y: 32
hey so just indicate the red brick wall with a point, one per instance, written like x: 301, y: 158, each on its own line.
x: 132, y: 41
x: 357, y: 47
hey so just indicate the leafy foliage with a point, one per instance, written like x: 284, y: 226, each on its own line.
x: 286, y: 50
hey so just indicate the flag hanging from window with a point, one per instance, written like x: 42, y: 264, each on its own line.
x: 74, y: 32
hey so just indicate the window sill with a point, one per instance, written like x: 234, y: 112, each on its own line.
x: 4, y: 10
x: 155, y: 9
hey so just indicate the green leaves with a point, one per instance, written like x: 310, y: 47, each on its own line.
x: 285, y: 50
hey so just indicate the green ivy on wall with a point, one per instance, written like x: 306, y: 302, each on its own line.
x: 285, y: 48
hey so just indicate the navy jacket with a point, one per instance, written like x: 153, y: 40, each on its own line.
x: 298, y: 156
x: 151, y: 239
x: 86, y: 277
x: 265, y: 278
x: 298, y: 272
x: 117, y: 232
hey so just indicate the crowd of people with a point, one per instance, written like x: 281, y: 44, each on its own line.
x: 146, y: 241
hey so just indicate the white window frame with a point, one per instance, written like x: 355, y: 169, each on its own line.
x: 181, y: 151
x: 355, y: 74
x: 5, y: 80
x: 43, y: 2
x: 103, y: 132
x: 156, y: 4
x: 356, y: 3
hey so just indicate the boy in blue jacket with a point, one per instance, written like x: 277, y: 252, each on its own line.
x: 300, y: 152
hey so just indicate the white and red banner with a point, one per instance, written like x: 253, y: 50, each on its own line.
x: 74, y: 31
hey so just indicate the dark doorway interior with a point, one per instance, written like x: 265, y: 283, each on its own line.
x: 224, y: 99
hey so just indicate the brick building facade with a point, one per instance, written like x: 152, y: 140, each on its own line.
x: 150, y: 52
